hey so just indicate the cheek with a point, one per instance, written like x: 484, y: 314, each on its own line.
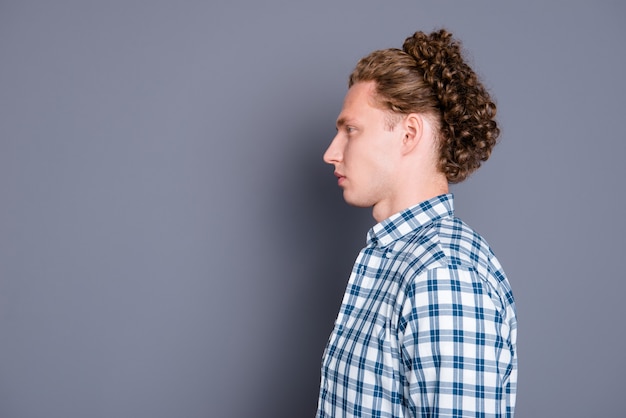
x: 367, y: 162
x: 382, y: 171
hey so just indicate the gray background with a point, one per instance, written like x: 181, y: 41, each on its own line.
x: 172, y: 245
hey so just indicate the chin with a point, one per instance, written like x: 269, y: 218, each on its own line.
x: 356, y: 202
x: 358, y: 205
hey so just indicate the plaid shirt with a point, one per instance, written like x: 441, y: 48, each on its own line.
x: 427, y: 325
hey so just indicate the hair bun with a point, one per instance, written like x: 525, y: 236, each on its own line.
x: 431, y: 47
x: 467, y: 112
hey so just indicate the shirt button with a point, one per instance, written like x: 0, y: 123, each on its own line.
x: 388, y: 254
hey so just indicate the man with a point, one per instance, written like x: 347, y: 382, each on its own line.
x: 427, y: 325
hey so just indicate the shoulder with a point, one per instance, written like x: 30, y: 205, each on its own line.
x: 446, y: 242
x: 450, y: 256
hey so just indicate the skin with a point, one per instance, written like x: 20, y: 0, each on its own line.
x: 387, y: 169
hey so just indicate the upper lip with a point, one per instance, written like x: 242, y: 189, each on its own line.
x: 338, y: 174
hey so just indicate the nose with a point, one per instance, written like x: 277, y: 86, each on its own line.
x: 333, y: 152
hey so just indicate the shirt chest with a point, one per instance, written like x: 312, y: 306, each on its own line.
x: 369, y: 310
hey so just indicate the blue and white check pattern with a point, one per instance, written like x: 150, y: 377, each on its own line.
x: 427, y: 326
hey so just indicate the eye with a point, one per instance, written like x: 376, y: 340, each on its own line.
x: 350, y: 129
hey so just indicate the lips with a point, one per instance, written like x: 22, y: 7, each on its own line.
x: 340, y: 178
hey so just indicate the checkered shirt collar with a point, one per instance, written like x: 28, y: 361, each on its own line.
x: 408, y: 220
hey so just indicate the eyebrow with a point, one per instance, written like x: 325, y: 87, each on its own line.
x: 342, y: 121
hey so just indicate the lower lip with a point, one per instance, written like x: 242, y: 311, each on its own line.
x: 341, y: 180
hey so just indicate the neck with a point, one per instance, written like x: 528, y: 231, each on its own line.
x: 409, y: 196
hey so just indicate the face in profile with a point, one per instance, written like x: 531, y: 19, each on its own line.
x: 364, y: 150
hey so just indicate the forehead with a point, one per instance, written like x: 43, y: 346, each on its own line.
x: 359, y: 103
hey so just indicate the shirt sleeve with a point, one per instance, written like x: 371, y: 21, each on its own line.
x: 453, y: 352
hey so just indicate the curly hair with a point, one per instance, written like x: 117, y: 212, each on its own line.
x: 429, y: 76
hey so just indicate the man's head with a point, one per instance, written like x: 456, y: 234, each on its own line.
x: 429, y: 76
x: 413, y: 121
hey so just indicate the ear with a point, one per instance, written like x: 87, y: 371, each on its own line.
x: 413, y: 129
